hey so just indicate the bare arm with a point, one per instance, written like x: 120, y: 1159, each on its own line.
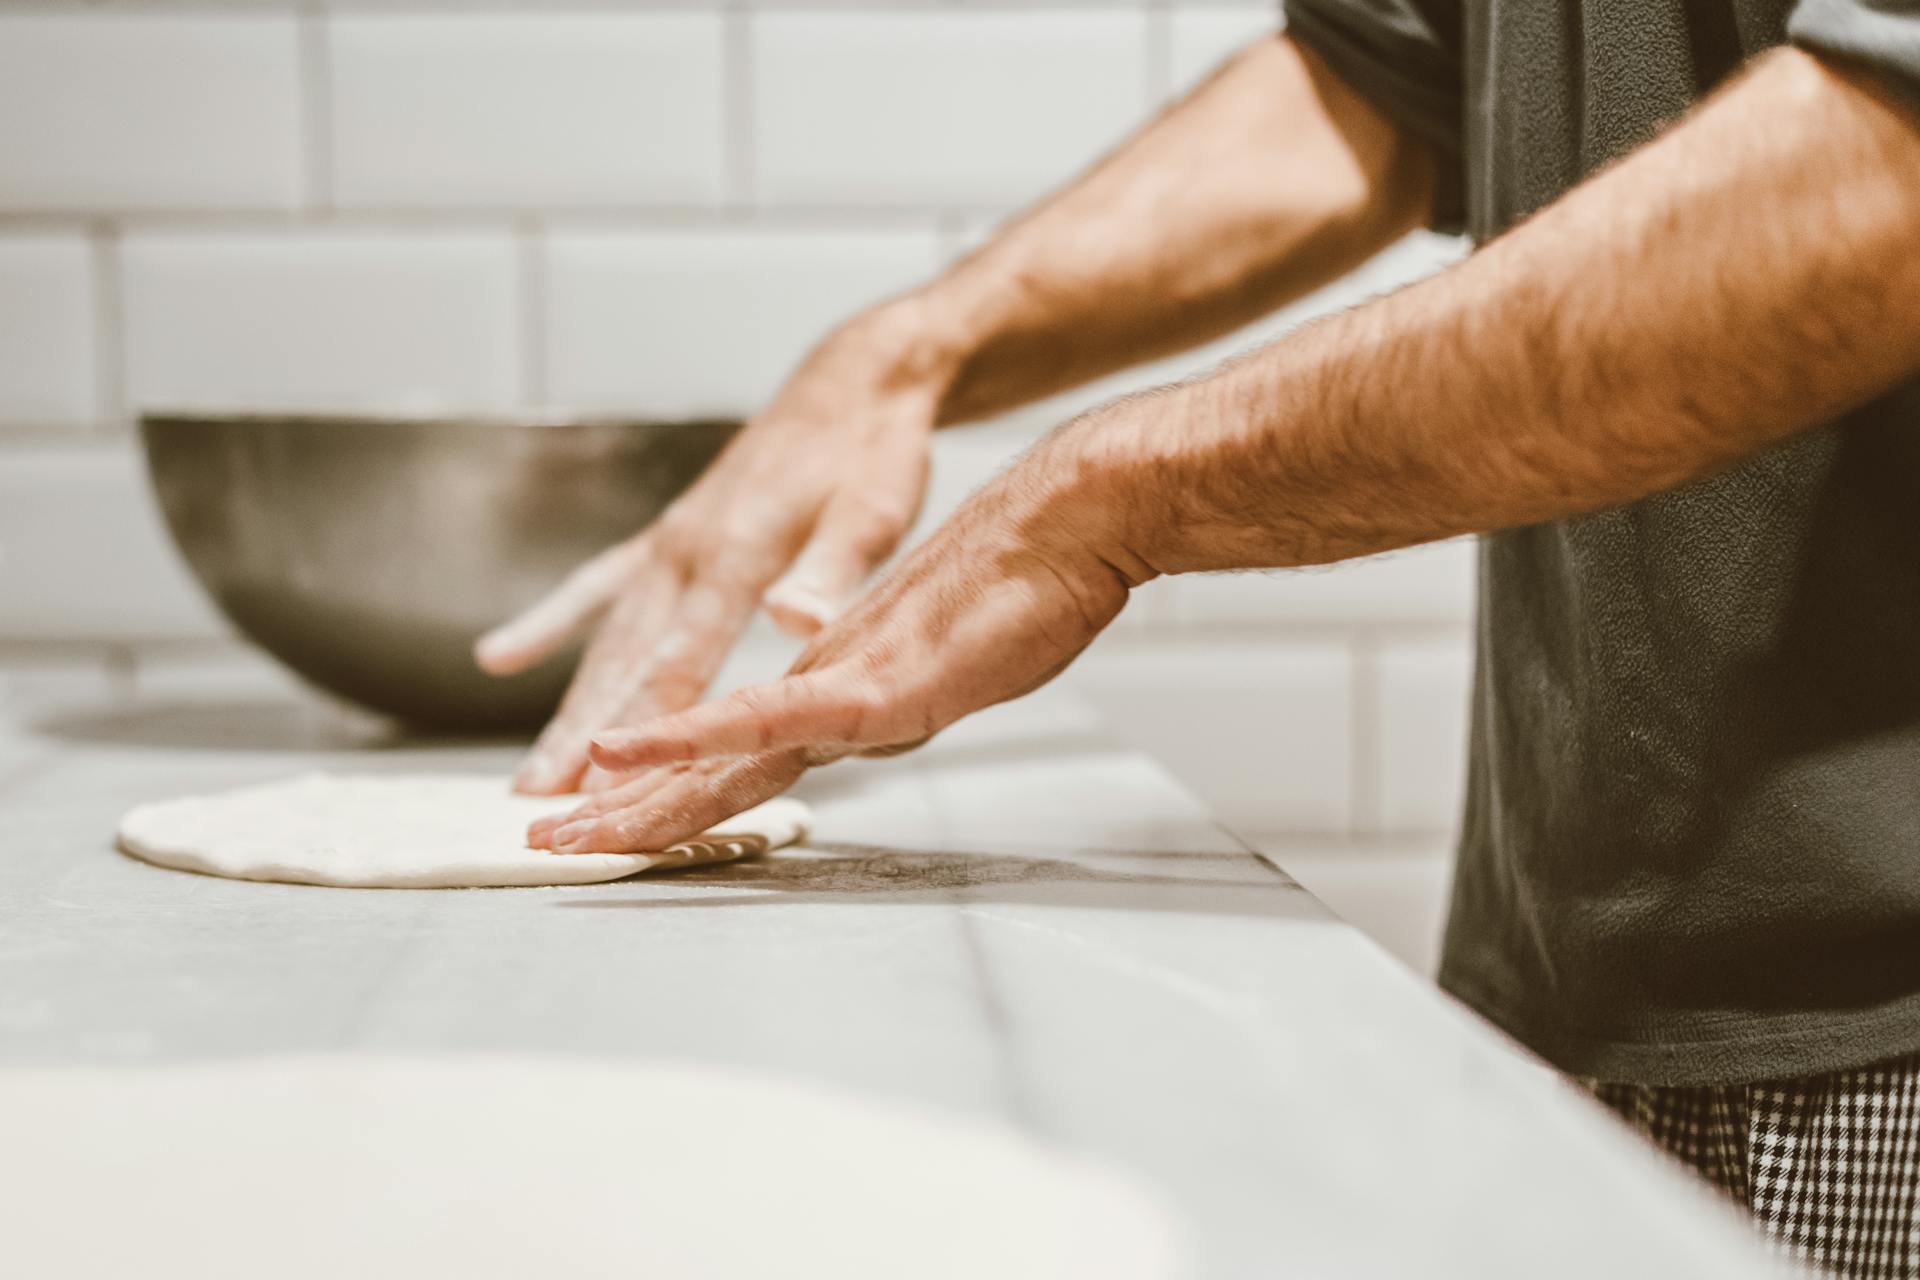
x: 1753, y: 272
x: 1272, y: 179
x: 1268, y: 180
x: 1747, y: 275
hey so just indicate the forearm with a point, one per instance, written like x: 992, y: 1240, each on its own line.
x: 1749, y: 274
x: 1266, y: 182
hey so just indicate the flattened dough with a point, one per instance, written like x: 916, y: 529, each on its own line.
x: 423, y: 831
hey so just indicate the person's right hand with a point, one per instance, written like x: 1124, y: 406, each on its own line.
x: 802, y: 505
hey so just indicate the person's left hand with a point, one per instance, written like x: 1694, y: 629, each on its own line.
x: 994, y: 604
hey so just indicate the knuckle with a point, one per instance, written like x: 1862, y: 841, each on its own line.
x: 868, y: 707
x: 738, y: 789
x: 630, y: 830
x: 761, y: 706
x: 876, y: 530
x: 675, y: 537
x: 738, y: 562
x: 755, y: 699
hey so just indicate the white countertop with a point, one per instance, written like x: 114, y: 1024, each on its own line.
x: 1020, y: 922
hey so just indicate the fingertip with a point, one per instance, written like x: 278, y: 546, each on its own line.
x: 495, y: 654
x: 600, y: 778
x: 543, y: 828
x: 541, y: 776
x: 797, y: 611
x: 796, y: 623
x: 787, y: 623
x: 570, y: 836
x: 617, y: 751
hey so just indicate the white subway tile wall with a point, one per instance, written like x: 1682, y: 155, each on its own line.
x: 1424, y: 584
x: 477, y: 204
x: 1424, y: 687
x: 691, y: 321
x: 48, y: 365
x: 1265, y: 729
x: 527, y: 110
x: 939, y: 108
x: 1200, y: 39
x: 83, y: 553
x: 321, y: 317
x: 126, y: 110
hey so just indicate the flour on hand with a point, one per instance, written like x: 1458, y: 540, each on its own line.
x: 425, y: 831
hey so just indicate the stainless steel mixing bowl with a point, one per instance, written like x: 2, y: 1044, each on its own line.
x: 367, y: 553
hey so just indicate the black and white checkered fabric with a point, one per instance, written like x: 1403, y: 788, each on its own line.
x: 1829, y: 1165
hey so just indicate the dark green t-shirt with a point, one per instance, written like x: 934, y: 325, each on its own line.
x: 1692, y: 844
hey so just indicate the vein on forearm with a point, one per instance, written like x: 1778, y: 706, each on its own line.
x: 1745, y: 276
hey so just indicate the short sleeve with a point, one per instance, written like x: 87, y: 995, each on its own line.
x: 1404, y: 56
x: 1882, y: 35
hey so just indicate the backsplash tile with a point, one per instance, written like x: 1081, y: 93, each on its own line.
x: 691, y: 322
x: 984, y: 108
x: 526, y: 109
x: 149, y: 111
x: 1262, y: 730
x: 321, y: 319
x: 1204, y: 36
x: 84, y: 552
x: 48, y: 369
x: 40, y: 685
x: 1422, y: 584
x: 1423, y: 734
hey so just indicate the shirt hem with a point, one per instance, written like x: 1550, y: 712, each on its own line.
x: 1670, y: 1051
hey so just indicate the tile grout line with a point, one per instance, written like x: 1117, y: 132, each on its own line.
x: 787, y: 216
x: 121, y: 663
x: 736, y: 87
x: 530, y: 287
x: 316, y: 105
x: 109, y: 325
x: 1157, y: 74
x: 951, y: 227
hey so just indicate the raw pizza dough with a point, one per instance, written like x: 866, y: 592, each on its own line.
x: 425, y: 831
x: 497, y: 1168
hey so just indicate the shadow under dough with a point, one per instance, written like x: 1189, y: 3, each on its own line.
x: 849, y: 873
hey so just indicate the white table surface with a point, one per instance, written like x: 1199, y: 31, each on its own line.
x: 1020, y: 922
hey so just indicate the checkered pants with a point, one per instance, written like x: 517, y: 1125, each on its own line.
x: 1829, y: 1165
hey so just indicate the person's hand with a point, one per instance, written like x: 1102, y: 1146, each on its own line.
x: 812, y: 494
x: 996, y: 603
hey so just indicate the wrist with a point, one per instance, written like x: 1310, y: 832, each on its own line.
x: 1087, y: 491
x: 904, y: 346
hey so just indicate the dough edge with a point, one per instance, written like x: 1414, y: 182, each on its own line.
x: 143, y: 833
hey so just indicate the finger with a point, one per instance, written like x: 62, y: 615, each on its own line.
x: 632, y: 792
x: 895, y: 749
x: 694, y: 801
x: 613, y: 666
x: 709, y: 618
x: 800, y: 711
x: 858, y: 530
x: 540, y: 630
